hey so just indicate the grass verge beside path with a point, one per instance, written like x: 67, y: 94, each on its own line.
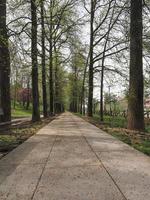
x: 116, y: 127
x: 20, y: 112
x: 14, y: 136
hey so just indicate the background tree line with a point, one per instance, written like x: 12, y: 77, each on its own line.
x: 60, y: 51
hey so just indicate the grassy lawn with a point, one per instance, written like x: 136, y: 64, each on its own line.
x: 120, y: 122
x: 21, y: 112
x: 110, y: 121
x: 116, y: 126
x: 7, y: 142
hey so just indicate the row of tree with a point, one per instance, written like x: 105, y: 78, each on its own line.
x: 66, y: 64
x: 107, y: 19
x: 112, y: 15
x: 48, y: 27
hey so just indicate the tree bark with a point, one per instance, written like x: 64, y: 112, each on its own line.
x: 15, y: 90
x: 90, y: 95
x: 83, y: 88
x: 135, y: 101
x: 28, y: 94
x: 51, y: 89
x: 75, y: 92
x: 57, y: 106
x: 4, y: 66
x: 43, y: 62
x: 35, y: 90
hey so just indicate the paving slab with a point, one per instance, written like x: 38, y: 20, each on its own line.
x: 77, y: 183
x: 103, y: 144
x: 21, y: 183
x: 71, y: 144
x: 70, y: 159
x: 35, y: 150
x: 128, y: 167
x: 130, y: 170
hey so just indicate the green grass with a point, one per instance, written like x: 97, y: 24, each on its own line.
x: 78, y: 114
x: 147, y: 128
x: 21, y: 112
x: 7, y: 142
x: 143, y: 147
x: 6, y: 139
x: 118, y: 121
x: 115, y: 122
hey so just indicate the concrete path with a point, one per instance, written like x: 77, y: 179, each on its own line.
x: 71, y: 159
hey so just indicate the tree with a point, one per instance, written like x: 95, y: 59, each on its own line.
x: 90, y: 96
x: 35, y: 90
x: 103, y: 67
x: 51, y: 85
x: 104, y: 17
x: 4, y: 66
x: 77, y: 74
x: 135, y: 100
x: 43, y: 61
x: 82, y: 106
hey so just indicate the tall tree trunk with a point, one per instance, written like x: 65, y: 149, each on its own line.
x: 90, y: 95
x: 75, y: 90
x: 83, y: 88
x: 35, y: 91
x: 102, y: 89
x: 4, y: 66
x: 28, y: 94
x: 51, y: 89
x: 135, y: 101
x: 57, y: 103
x: 43, y: 62
x: 15, y: 90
